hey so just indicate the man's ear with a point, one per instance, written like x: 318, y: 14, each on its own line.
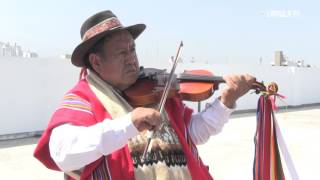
x: 94, y: 61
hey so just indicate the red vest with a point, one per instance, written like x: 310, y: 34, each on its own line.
x: 119, y: 163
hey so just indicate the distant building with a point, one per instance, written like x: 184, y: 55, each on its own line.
x: 17, y: 51
x: 28, y: 54
x: 2, y: 49
x: 7, y: 50
x: 281, y: 60
x: 65, y: 56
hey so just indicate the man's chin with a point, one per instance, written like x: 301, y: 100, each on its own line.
x: 133, y: 75
x: 131, y: 80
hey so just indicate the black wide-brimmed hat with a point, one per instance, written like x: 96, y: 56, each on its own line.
x: 97, y: 27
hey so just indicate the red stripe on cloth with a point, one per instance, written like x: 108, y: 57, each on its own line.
x: 267, y: 162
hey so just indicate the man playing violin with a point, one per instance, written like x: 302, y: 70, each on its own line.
x: 96, y: 134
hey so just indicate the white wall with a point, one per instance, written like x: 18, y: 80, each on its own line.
x: 32, y: 88
x: 30, y: 91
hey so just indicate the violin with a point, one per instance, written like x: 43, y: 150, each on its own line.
x: 191, y: 85
x: 154, y: 85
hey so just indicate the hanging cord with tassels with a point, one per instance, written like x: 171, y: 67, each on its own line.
x: 83, y: 73
x: 267, y: 159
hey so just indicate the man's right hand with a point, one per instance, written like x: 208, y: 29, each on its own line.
x: 146, y: 118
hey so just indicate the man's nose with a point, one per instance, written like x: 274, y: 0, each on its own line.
x: 131, y: 58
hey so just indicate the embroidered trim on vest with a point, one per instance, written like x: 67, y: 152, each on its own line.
x: 101, y: 172
x: 74, y: 102
x: 170, y: 158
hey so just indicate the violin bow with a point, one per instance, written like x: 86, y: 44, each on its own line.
x: 162, y: 102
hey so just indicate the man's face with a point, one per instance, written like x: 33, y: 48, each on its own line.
x: 119, y: 64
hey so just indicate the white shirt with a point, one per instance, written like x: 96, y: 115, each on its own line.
x: 73, y: 147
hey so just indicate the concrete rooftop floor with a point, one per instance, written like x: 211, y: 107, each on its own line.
x: 228, y: 154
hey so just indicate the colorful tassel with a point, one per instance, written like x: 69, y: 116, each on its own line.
x: 267, y: 161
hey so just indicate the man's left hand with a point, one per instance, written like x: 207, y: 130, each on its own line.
x: 237, y: 86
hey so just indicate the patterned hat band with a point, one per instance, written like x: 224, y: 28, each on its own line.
x: 108, y: 24
x: 96, y: 28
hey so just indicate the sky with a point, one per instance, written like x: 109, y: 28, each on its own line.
x: 213, y: 31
